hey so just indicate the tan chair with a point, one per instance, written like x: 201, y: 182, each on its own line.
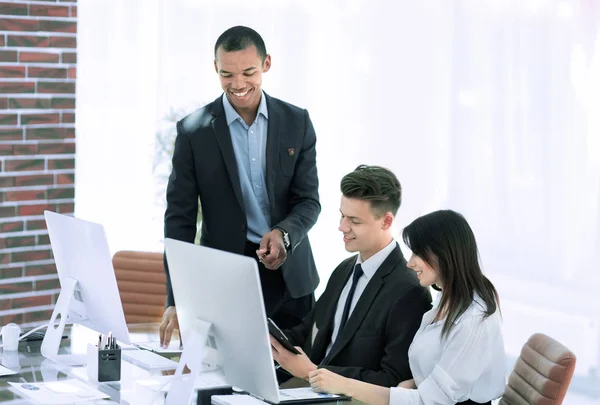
x: 542, y: 373
x: 142, y: 285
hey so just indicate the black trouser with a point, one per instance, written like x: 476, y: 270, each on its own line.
x: 286, y: 311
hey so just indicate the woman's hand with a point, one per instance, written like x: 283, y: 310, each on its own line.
x: 323, y: 380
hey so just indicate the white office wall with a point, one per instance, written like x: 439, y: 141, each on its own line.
x: 487, y: 107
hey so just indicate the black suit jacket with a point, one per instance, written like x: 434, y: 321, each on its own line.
x: 373, y: 347
x: 205, y: 168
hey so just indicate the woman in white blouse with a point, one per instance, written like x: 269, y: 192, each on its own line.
x: 457, y: 355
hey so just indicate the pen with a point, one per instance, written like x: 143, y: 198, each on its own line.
x: 108, y: 340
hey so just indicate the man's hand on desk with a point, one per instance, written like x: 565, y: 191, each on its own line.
x: 299, y: 365
x: 272, y: 251
x: 169, y: 322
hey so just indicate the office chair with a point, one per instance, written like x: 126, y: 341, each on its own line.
x: 542, y: 373
x: 142, y: 285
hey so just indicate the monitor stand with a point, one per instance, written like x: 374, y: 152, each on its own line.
x: 182, y: 386
x: 54, y: 332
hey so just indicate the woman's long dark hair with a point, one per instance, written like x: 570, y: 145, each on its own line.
x: 445, y: 241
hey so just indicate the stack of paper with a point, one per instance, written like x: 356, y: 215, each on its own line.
x: 58, y: 392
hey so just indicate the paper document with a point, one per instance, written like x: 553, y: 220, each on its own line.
x: 58, y: 392
x: 6, y: 371
x: 174, y: 347
x: 208, y: 379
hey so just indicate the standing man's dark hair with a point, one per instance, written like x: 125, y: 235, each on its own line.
x: 249, y: 159
x: 239, y: 38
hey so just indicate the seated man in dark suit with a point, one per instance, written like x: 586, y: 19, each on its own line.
x: 363, y: 324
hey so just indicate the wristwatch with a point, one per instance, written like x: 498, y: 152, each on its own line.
x: 286, y: 238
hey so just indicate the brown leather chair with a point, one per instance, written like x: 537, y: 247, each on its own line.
x: 142, y: 285
x: 542, y: 373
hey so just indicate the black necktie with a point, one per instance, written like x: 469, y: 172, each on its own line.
x: 358, y: 271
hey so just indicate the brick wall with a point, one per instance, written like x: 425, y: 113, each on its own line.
x: 38, y: 58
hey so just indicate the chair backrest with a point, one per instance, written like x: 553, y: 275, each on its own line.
x: 142, y: 285
x: 542, y: 373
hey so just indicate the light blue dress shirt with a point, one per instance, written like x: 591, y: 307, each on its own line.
x: 249, y: 146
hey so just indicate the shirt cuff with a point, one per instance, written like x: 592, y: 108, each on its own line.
x: 404, y: 396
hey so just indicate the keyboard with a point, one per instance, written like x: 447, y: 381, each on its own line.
x: 148, y: 360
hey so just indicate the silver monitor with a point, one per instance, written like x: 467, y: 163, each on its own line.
x: 223, y: 289
x: 89, y: 294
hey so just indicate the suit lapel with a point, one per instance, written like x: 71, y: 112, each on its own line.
x: 223, y: 136
x: 324, y: 335
x: 366, y: 300
x: 272, y: 152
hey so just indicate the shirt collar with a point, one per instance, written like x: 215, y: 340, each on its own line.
x: 231, y: 114
x: 371, y: 265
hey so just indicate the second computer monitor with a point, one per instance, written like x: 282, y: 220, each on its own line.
x: 224, y: 289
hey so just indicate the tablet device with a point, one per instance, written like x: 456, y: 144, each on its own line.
x: 281, y: 337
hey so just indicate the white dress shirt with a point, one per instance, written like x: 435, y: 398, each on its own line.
x: 369, y: 267
x: 467, y: 364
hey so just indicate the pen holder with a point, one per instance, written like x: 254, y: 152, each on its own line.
x: 103, y: 365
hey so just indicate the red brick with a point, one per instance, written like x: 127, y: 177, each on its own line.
x: 65, y: 208
x: 68, y: 118
x: 55, y: 87
x: 7, y: 181
x: 4, y: 258
x: 51, y: 284
x: 30, y: 103
x: 17, y: 241
x: 73, y: 11
x: 58, y: 26
x: 66, y: 103
x: 34, y: 180
x: 49, y: 133
x: 42, y: 240
x: 26, y: 195
x: 48, y: 11
x: 61, y: 193
x: 11, y: 134
x: 2, y: 40
x: 40, y: 270
x: 65, y: 178
x: 55, y: 73
x: 8, y: 56
x: 3, y: 103
x: 9, y: 119
x: 11, y: 272
x: 36, y: 224
x: 6, y: 150
x: 12, y: 71
x: 35, y: 301
x: 15, y: 226
x: 13, y: 9
x: 72, y: 73
x: 24, y: 150
x: 16, y: 287
x: 6, y: 212
x: 31, y: 256
x: 18, y: 24
x: 23, y: 165
x: 63, y: 42
x: 4, y: 303
x: 39, y: 57
x: 69, y: 57
x: 15, y: 318
x: 30, y: 210
x: 60, y: 164
x: 40, y: 119
x: 38, y: 316
x: 28, y: 41
x: 56, y: 148
x: 16, y: 87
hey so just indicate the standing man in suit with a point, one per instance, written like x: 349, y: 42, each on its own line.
x: 250, y: 160
x: 365, y: 321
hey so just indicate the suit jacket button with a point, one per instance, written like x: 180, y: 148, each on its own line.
x: 243, y: 227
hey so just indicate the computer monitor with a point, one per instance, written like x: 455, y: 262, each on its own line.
x: 223, y: 289
x: 89, y: 294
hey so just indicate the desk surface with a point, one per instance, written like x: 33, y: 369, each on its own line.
x: 33, y: 367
